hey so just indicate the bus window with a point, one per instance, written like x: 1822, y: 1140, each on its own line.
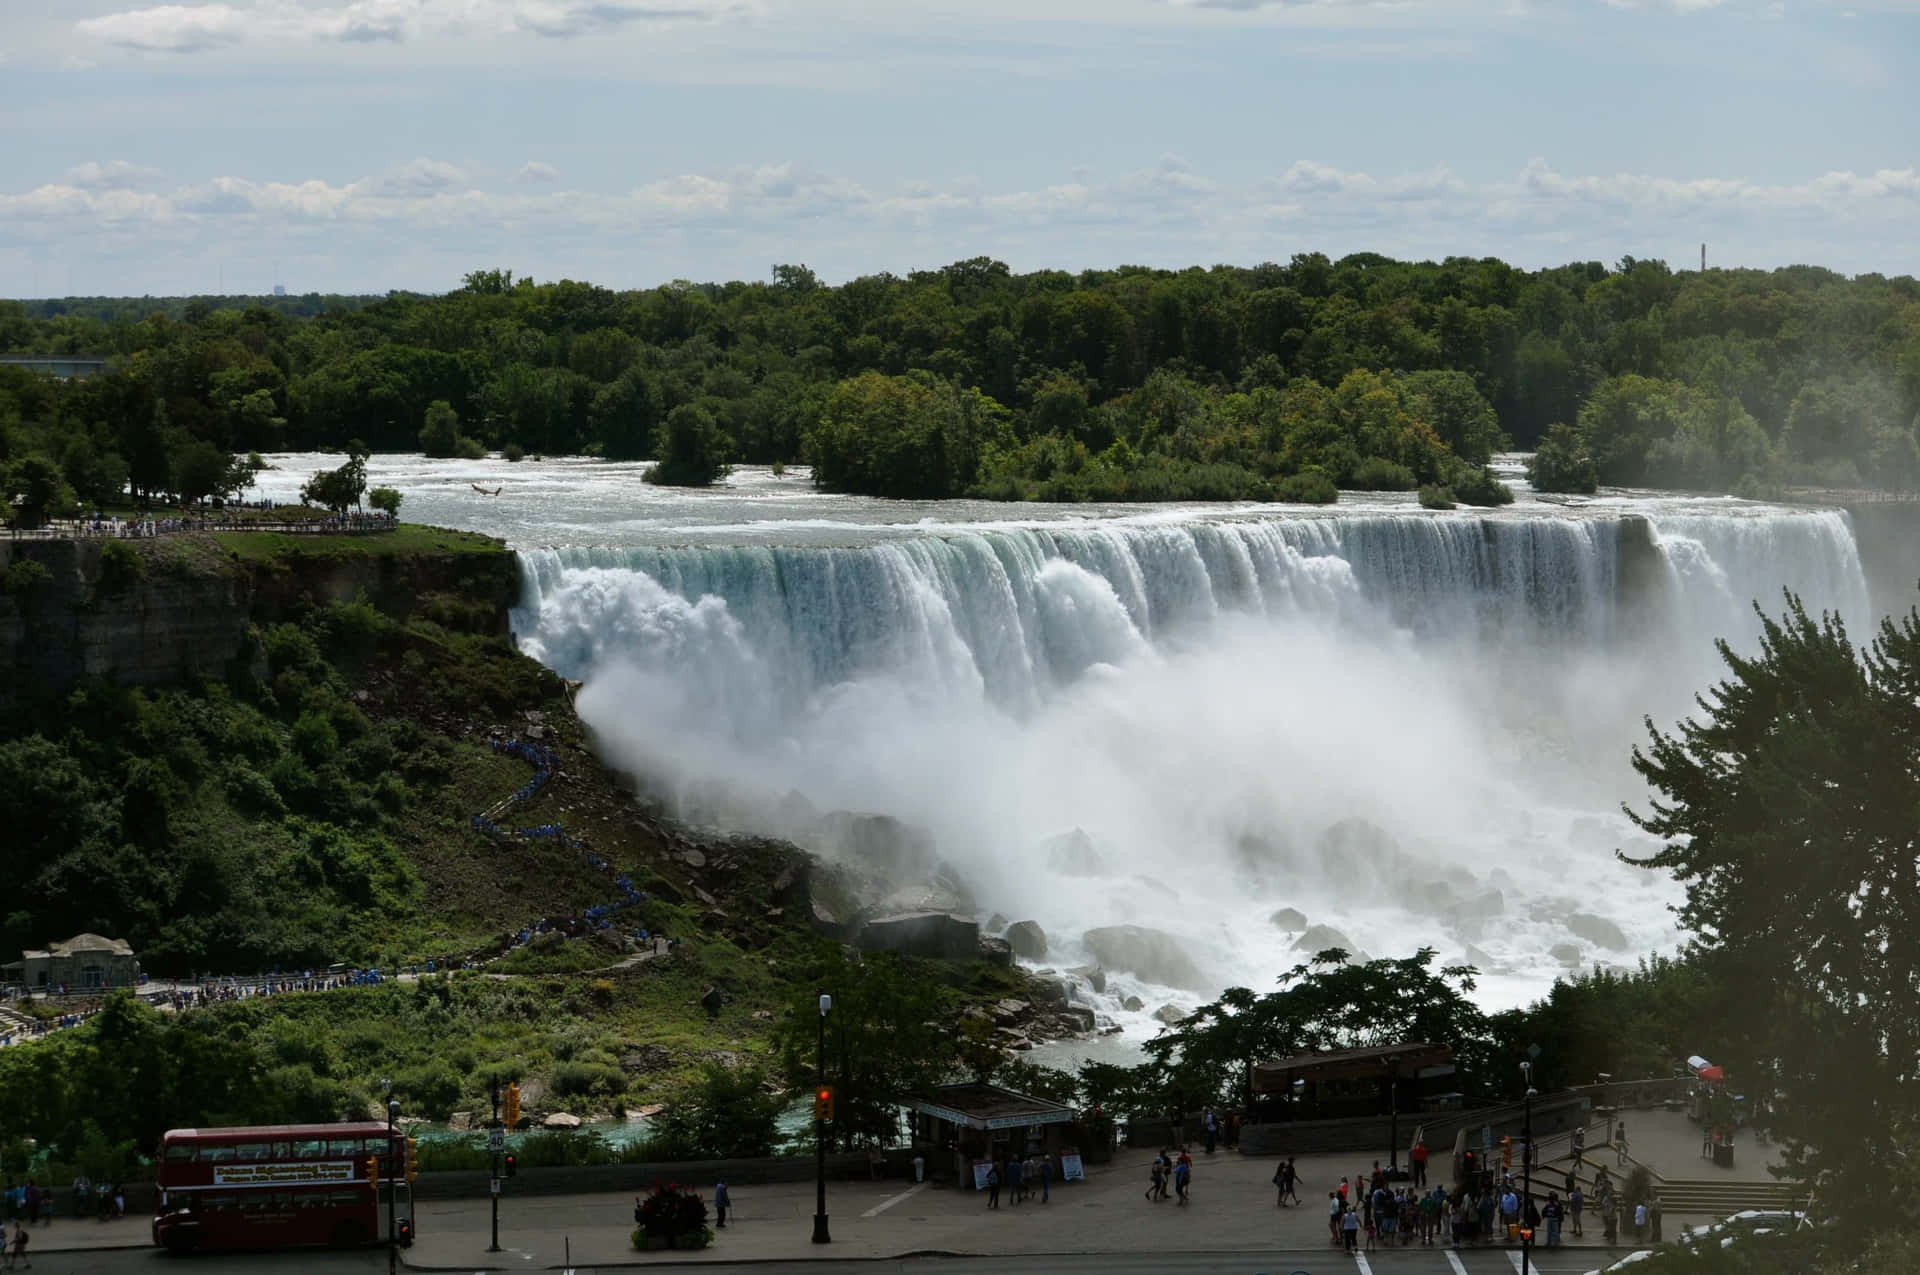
x: 255, y: 1151
x: 216, y: 1153
x: 348, y: 1147
x: 309, y: 1148
x: 179, y: 1151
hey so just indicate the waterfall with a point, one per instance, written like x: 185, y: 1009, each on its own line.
x: 1210, y: 704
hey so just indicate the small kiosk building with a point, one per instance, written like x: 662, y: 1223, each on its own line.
x: 970, y: 1126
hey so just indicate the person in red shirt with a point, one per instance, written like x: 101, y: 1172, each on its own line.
x: 1420, y: 1162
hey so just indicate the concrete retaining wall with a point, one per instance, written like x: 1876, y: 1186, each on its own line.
x: 588, y: 1179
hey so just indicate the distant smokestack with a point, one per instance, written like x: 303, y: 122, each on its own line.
x: 1703, y: 258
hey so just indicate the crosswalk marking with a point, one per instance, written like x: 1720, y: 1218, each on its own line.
x: 892, y: 1200
x: 1453, y: 1260
x: 1513, y: 1255
x: 1360, y: 1260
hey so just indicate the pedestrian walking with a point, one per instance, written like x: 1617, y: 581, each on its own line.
x: 1420, y: 1162
x: 1280, y: 1184
x: 1350, y: 1229
x: 1639, y: 1221
x: 993, y: 1186
x: 1013, y: 1180
x: 1575, y: 1203
x: 1653, y: 1218
x: 1155, y: 1178
x: 1579, y: 1146
x: 1551, y: 1214
x: 1620, y: 1142
x: 1293, y: 1181
x: 1335, y: 1210
x: 19, y: 1253
x: 1210, y: 1124
x: 1183, y: 1176
x: 720, y: 1203
x: 1046, y: 1177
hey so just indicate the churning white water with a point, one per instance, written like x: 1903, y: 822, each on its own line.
x: 1413, y: 728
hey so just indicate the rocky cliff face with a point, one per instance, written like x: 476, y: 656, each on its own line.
x: 189, y: 608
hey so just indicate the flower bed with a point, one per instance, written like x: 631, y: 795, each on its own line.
x: 671, y: 1216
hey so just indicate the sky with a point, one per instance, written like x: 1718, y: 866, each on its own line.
x: 370, y: 145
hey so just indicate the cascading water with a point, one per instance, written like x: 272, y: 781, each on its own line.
x: 1411, y: 728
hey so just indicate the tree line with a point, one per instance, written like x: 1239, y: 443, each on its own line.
x: 1224, y: 383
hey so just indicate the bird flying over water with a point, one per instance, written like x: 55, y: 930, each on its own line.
x: 484, y: 492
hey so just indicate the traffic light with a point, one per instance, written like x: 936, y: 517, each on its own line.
x: 823, y: 1104
x: 413, y: 1159
x: 513, y: 1164
x: 1506, y: 1153
x: 513, y: 1105
x: 1469, y: 1165
x: 1526, y: 1235
x: 373, y: 1170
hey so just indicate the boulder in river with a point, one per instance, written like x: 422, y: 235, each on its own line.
x: 1072, y: 854
x: 1172, y: 1015
x: 1151, y: 954
x: 933, y: 934
x: 561, y: 1120
x: 1028, y: 940
x: 1092, y: 975
x: 1597, y: 930
x: 1290, y: 920
x: 1133, y: 1004
x: 1319, y: 938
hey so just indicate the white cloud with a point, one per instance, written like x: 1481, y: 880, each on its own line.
x: 383, y: 228
x: 115, y: 175
x: 535, y: 173
x: 196, y: 28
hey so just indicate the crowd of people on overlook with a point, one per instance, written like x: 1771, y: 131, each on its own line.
x: 100, y: 525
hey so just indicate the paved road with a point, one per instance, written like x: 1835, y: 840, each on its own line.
x: 1413, y: 1262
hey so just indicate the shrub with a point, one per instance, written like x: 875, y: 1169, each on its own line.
x: 386, y: 500
x: 513, y: 453
x: 582, y: 1078
x: 1562, y: 462
x: 251, y: 793
x: 1309, y: 487
x: 120, y: 566
x: 671, y: 1211
x: 25, y: 576
x: 1480, y: 487
x: 1377, y: 473
x: 725, y: 1113
x: 1434, y: 497
x: 431, y: 1087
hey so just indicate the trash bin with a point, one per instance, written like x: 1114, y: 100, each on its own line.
x: 919, y: 1168
x: 1723, y: 1154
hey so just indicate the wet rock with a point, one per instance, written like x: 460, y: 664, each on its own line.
x: 1072, y: 854
x: 1133, y: 1004
x: 711, y: 1000
x: 1291, y: 920
x: 1153, y: 955
x: 1565, y: 953
x: 1319, y: 938
x: 1092, y: 975
x: 693, y: 858
x: 1470, y: 918
x: 930, y: 934
x: 1049, y: 991
x: 882, y: 843
x: 996, y: 952
x: 1597, y: 930
x: 996, y: 924
x: 1080, y: 1016
x: 460, y: 1120
x: 1010, y: 1011
x: 1028, y: 940
x: 1172, y: 1015
x: 561, y: 1120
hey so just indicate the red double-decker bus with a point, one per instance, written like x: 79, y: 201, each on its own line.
x: 272, y: 1186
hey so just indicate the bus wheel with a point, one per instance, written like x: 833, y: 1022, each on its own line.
x: 180, y: 1243
x: 348, y: 1235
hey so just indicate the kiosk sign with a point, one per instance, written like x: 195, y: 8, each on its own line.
x: 295, y: 1173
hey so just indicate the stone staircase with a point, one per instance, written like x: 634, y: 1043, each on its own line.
x: 1683, y: 1195
x: 15, y: 1023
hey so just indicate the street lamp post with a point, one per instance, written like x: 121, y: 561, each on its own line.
x: 820, y: 1235
x: 393, y: 1229
x: 1393, y: 1128
x: 1526, y: 1167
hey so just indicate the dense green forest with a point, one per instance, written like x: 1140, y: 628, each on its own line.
x: 1270, y: 381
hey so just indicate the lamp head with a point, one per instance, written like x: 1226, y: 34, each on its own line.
x: 826, y: 1004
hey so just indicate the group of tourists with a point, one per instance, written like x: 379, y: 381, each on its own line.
x: 1171, y: 1167
x: 1021, y: 1176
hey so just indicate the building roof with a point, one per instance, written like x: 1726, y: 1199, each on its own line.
x: 91, y: 943
x: 991, y: 1107
x: 1376, y: 1060
x: 281, y: 1132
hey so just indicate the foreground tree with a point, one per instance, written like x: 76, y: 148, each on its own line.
x: 1328, y: 1003
x: 1788, y: 810
x: 336, y: 489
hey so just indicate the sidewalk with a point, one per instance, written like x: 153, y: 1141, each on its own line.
x: 1233, y: 1210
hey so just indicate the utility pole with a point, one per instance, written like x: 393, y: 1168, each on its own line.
x: 496, y: 1138
x: 1703, y: 258
x: 1526, y: 1165
x: 820, y: 1235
